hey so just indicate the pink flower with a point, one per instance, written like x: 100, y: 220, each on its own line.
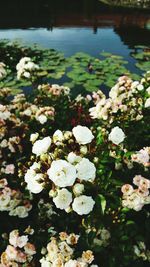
x: 29, y: 249
x: 10, y: 169
x: 21, y: 257
x: 137, y: 179
x: 127, y: 189
x: 11, y: 252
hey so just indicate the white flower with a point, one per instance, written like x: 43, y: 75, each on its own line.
x: 11, y: 253
x: 25, y: 67
x: 22, y: 241
x: 78, y: 189
x: 73, y: 158
x: 72, y: 263
x: 140, y: 87
x: 147, y: 103
x: 63, y: 199
x: 33, y: 185
x: 86, y: 170
x: 83, y: 204
x: 45, y: 263
x: 83, y: 150
x: 27, y: 74
x: 148, y: 90
x: 82, y: 134
x: 62, y: 173
x: 116, y: 135
x: 13, y: 237
x: 27, y: 112
x: 58, y: 136
x: 42, y: 119
x: 127, y: 189
x: 35, y: 165
x: 34, y: 137
x: 65, y: 249
x: 41, y: 146
x: 21, y: 211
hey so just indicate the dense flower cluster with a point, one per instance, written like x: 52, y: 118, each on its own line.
x: 70, y: 171
x: 26, y: 68
x: 67, y: 172
x: 136, y: 198
x: 60, y: 252
x: 142, y: 156
x: 125, y: 102
x: 55, y: 90
x: 11, y: 200
x: 19, y: 251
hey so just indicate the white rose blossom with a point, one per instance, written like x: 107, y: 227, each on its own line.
x: 34, y: 179
x: 34, y: 137
x: 62, y: 173
x: 82, y: 134
x: 147, y: 103
x: 63, y: 199
x: 42, y: 119
x: 83, y: 204
x: 86, y: 170
x: 41, y: 146
x: 116, y: 135
x: 73, y: 158
x: 58, y: 136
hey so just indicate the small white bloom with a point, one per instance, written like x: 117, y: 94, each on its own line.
x: 34, y: 137
x: 140, y: 87
x: 27, y: 74
x: 147, y: 103
x: 21, y: 211
x: 78, y: 189
x: 86, y: 170
x: 72, y: 263
x: 116, y: 135
x: 83, y: 204
x: 62, y: 173
x: 34, y: 185
x: 41, y: 146
x: 22, y: 241
x: 148, y: 90
x: 73, y: 158
x: 82, y: 134
x: 58, y: 136
x: 27, y: 112
x: 83, y: 150
x: 42, y: 119
x: 63, y: 199
x: 45, y: 263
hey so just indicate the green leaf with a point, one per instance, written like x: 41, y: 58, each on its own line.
x: 103, y: 202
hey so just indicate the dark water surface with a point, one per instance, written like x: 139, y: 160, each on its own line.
x: 75, y: 25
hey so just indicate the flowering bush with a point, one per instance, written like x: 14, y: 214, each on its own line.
x: 76, y: 169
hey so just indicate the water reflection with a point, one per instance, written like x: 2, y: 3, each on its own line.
x: 70, y: 26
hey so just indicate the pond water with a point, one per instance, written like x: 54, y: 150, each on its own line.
x: 73, y: 26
